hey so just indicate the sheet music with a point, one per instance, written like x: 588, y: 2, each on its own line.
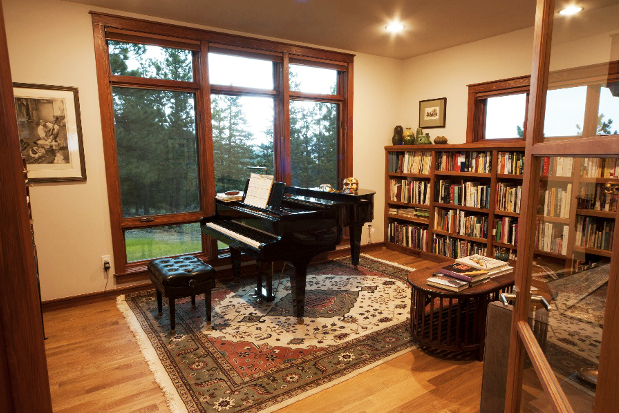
x: 259, y: 190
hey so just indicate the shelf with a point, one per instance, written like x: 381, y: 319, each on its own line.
x: 506, y: 213
x: 464, y: 237
x: 556, y: 178
x: 550, y: 254
x: 596, y: 213
x: 509, y: 176
x: 556, y: 220
x: 465, y: 208
x: 410, y: 219
x: 600, y: 180
x: 408, y: 175
x: 409, y: 204
x: 462, y: 174
x: 501, y: 244
x: 594, y: 251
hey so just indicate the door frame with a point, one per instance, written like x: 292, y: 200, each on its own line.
x: 522, y: 340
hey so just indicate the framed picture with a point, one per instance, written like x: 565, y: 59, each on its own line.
x: 50, y: 132
x: 432, y: 113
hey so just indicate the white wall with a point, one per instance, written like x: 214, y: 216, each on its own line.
x: 51, y: 42
x: 447, y: 73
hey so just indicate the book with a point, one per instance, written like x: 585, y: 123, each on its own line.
x: 481, y: 262
x: 447, y: 283
x: 463, y: 272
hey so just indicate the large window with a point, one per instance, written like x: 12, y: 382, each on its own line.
x: 188, y: 113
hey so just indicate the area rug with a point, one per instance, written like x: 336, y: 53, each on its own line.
x: 255, y: 357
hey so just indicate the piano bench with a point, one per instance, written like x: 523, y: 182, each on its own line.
x: 180, y: 277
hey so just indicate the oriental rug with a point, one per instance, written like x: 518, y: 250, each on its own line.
x: 255, y: 357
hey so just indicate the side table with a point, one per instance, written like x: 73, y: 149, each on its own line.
x: 454, y: 321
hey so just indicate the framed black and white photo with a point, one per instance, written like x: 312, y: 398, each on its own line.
x: 50, y: 132
x: 432, y: 113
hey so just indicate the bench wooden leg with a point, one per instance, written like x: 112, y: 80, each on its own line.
x: 207, y: 305
x: 172, y: 315
x: 159, y: 302
x: 193, y: 301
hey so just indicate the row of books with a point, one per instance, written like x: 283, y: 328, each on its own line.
x: 592, y: 232
x: 461, y: 222
x: 600, y: 168
x: 597, y: 197
x: 470, y: 161
x: 407, y: 235
x: 410, y: 191
x: 506, y: 230
x: 472, y: 194
x: 468, y: 272
x: 421, y: 213
x: 557, y: 201
x: 551, y: 237
x: 410, y: 162
x: 455, y: 247
x: 508, y: 197
x: 510, y: 163
x: 557, y: 166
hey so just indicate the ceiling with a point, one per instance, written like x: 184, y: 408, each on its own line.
x: 350, y: 25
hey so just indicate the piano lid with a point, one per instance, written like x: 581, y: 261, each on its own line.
x: 316, y: 195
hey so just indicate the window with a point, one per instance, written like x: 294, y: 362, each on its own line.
x: 187, y: 113
x: 497, y: 110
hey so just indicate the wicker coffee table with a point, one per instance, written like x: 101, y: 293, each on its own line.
x: 453, y: 321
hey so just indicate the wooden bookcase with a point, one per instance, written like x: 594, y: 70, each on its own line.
x: 566, y: 215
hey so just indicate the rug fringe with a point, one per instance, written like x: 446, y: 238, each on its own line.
x: 325, y: 386
x: 404, y: 267
x: 173, y: 400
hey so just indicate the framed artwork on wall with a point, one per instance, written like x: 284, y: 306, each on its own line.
x: 432, y: 113
x: 50, y: 132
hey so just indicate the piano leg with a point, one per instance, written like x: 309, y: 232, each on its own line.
x: 355, y: 242
x: 235, y: 255
x: 297, y: 285
x: 261, y: 292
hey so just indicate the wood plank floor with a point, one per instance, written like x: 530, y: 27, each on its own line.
x: 95, y: 365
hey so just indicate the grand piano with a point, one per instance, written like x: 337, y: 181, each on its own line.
x: 296, y: 225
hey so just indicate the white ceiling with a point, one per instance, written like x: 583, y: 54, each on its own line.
x: 350, y: 25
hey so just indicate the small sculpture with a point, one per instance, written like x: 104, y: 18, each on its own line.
x: 351, y: 186
x: 326, y: 188
x: 422, y: 139
x: 440, y: 140
x: 397, y: 138
x: 409, y: 137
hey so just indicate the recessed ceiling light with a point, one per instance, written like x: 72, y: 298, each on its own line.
x: 570, y: 10
x: 395, y: 27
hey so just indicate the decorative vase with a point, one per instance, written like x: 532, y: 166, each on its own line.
x: 440, y: 140
x: 397, y: 138
x: 409, y: 137
x: 422, y: 139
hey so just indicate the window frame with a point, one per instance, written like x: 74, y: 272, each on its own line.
x: 200, y: 42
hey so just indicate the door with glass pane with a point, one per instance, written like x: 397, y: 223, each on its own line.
x: 568, y: 245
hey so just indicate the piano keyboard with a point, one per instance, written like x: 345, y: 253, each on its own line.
x: 233, y: 230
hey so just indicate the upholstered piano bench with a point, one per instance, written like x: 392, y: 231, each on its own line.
x: 181, y: 277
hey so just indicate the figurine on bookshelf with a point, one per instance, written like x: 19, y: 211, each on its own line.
x: 440, y: 140
x: 422, y: 139
x: 398, y: 138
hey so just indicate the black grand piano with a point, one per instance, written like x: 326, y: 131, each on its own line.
x: 296, y: 225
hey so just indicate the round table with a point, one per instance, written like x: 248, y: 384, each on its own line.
x: 453, y: 321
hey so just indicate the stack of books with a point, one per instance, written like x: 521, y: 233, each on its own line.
x: 467, y: 272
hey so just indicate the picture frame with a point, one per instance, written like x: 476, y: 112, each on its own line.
x: 432, y: 113
x: 50, y: 132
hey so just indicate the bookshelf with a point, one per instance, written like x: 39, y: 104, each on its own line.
x: 455, y: 200
x: 442, y: 200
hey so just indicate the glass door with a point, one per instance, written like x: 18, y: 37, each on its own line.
x: 563, y: 360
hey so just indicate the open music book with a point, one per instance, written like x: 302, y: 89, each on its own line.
x: 259, y: 190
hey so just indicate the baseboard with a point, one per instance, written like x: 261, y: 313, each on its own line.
x: 145, y: 284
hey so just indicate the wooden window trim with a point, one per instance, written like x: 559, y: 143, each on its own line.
x: 200, y: 42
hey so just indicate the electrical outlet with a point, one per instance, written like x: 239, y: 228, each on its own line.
x: 106, y: 263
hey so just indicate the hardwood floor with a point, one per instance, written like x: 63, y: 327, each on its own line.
x: 95, y: 365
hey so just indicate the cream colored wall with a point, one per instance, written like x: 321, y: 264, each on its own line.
x: 51, y: 42
x: 447, y: 73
